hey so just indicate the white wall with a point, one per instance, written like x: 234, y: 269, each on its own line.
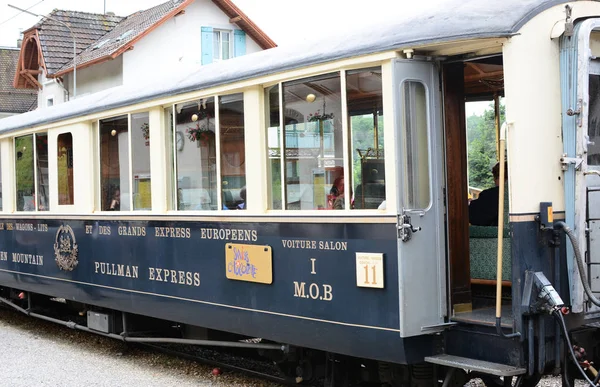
x: 51, y: 89
x: 96, y: 77
x: 175, y: 45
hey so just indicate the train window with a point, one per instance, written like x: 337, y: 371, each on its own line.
x: 114, y: 164
x: 313, y: 144
x: 0, y: 184
x: 65, y: 168
x: 24, y: 173
x: 273, y: 146
x: 168, y: 123
x: 196, y: 155
x: 140, y: 161
x: 416, y: 190
x: 41, y: 156
x: 31, y: 161
x: 233, y: 154
x: 365, y: 115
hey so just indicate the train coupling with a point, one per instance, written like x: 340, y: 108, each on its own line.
x: 539, y: 295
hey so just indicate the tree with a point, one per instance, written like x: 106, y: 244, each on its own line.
x: 481, y: 143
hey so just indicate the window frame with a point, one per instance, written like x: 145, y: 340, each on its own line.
x: 173, y: 180
x: 220, y: 32
x: 35, y: 174
x: 72, y: 182
x: 98, y: 162
x: 346, y: 138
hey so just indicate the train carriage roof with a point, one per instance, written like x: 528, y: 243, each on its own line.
x: 449, y: 21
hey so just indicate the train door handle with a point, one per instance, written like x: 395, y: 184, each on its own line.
x: 405, y: 228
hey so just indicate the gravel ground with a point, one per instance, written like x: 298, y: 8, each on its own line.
x: 39, y: 353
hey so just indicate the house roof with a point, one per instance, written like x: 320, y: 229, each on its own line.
x: 56, y: 40
x: 13, y: 100
x: 103, y: 37
x: 237, y: 16
x: 123, y: 35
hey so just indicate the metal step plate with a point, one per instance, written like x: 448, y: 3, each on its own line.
x: 485, y: 367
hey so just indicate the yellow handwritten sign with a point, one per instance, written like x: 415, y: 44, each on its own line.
x: 252, y: 263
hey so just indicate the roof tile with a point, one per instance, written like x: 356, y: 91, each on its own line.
x: 13, y: 100
x: 56, y: 40
x: 127, y: 30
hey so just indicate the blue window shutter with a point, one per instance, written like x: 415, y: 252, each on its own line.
x: 207, y: 45
x: 239, y: 43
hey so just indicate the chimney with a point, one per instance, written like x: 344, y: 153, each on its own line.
x: 20, y: 39
x: 110, y: 14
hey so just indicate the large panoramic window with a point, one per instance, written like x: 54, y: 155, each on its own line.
x: 125, y: 163
x: 203, y: 163
x: 313, y: 145
x: 196, y: 155
x: 307, y: 166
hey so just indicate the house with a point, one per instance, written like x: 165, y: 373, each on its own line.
x: 112, y: 50
x: 12, y: 100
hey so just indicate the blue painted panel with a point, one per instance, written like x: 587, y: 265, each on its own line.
x: 206, y: 43
x: 239, y: 43
x: 122, y: 265
x: 568, y: 85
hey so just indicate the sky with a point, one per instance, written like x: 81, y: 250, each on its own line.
x: 285, y: 21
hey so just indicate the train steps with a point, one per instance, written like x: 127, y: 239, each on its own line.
x: 475, y: 365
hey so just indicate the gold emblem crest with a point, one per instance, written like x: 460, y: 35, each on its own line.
x: 65, y: 248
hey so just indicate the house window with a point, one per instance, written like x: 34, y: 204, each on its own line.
x: 50, y: 101
x: 221, y: 45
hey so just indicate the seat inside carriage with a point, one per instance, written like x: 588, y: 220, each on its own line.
x: 475, y: 113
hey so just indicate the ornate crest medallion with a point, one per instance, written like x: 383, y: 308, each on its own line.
x: 65, y: 248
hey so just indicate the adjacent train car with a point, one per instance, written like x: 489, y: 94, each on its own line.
x: 316, y: 197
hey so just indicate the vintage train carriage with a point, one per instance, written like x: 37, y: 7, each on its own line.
x: 316, y: 196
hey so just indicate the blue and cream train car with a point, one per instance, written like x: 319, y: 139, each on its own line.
x: 316, y: 197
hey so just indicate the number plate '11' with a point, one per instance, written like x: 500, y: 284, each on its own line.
x: 369, y: 270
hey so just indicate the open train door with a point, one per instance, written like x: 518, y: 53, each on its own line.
x: 580, y: 80
x: 421, y: 251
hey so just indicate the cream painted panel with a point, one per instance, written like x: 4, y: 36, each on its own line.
x: 159, y: 165
x: 257, y: 181
x: 8, y: 175
x: 533, y: 110
x: 532, y: 90
x: 83, y: 168
x: 389, y: 134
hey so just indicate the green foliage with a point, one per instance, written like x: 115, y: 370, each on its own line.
x: 24, y: 165
x: 363, y: 138
x: 481, y: 142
